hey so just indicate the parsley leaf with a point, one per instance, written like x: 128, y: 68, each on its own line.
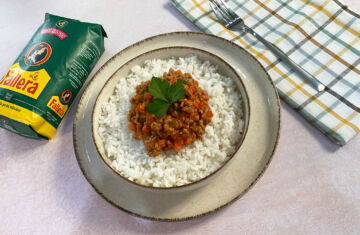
x: 159, y: 88
x: 157, y: 107
x: 176, y: 91
x: 165, y: 94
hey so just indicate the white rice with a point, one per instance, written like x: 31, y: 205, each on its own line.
x: 191, y: 163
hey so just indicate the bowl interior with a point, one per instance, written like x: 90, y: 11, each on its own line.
x: 165, y: 53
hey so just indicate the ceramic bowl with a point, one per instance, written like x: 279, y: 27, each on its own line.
x: 164, y: 53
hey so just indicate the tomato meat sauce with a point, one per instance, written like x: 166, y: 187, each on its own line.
x: 184, y: 122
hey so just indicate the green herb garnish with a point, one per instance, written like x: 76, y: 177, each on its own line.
x: 157, y: 107
x: 165, y: 94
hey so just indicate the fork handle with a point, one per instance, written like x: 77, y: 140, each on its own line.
x: 274, y: 49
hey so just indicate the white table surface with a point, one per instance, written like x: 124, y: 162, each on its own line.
x: 311, y: 186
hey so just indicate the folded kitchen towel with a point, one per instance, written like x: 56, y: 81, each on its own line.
x: 322, y: 36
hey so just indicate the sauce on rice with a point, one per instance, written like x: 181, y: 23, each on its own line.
x: 184, y: 122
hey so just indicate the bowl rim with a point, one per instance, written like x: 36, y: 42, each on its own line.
x: 226, y: 162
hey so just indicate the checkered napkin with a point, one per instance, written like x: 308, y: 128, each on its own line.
x: 322, y: 36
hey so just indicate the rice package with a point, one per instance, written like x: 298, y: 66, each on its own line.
x: 38, y: 89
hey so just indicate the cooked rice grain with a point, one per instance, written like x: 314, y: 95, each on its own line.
x: 201, y: 158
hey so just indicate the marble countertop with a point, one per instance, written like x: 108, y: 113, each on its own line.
x: 311, y: 186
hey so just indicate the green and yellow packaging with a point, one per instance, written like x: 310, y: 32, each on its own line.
x: 38, y: 89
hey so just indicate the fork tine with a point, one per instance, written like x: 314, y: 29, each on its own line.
x: 226, y: 8
x: 218, y: 13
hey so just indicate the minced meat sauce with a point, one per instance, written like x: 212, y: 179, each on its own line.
x: 183, y: 123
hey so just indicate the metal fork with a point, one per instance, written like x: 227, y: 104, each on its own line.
x: 232, y: 21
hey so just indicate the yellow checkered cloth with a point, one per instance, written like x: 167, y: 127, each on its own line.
x: 321, y: 36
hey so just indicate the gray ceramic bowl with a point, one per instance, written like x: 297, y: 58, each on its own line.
x: 164, y: 53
